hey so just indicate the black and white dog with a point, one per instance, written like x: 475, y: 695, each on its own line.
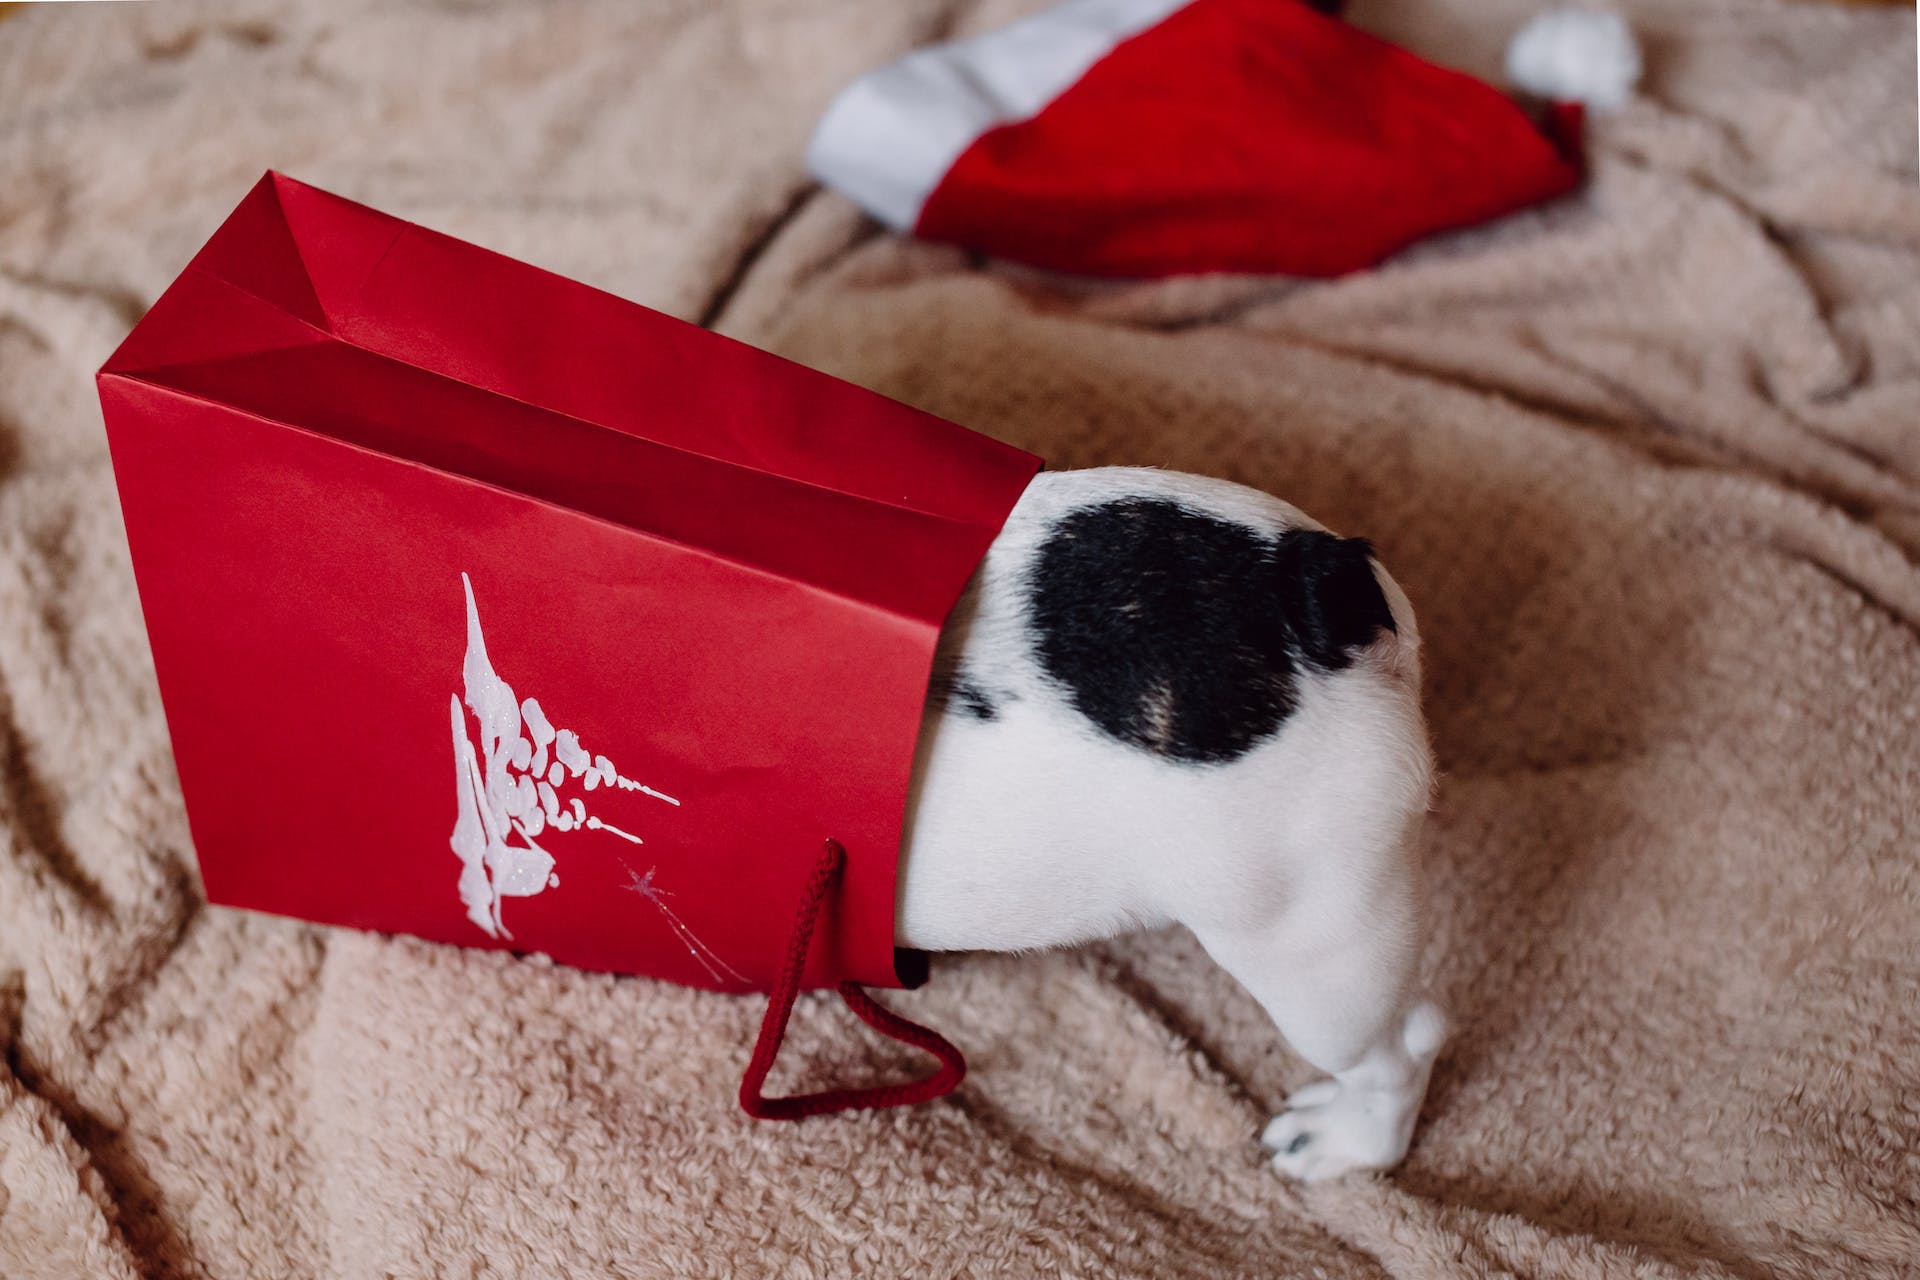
x: 1167, y: 698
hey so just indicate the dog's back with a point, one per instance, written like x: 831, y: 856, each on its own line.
x: 1156, y: 683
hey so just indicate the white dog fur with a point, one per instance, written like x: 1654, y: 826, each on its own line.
x: 1293, y: 863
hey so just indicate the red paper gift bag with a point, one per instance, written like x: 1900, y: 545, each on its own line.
x: 494, y: 609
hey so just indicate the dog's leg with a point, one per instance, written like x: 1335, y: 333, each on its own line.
x: 1344, y: 1000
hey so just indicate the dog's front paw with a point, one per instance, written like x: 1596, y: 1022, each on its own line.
x: 1329, y: 1129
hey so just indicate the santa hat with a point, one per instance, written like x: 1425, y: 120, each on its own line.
x: 1149, y: 137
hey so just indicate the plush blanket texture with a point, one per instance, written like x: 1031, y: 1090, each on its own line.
x: 1647, y: 461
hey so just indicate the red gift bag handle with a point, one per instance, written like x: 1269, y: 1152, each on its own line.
x: 773, y: 1028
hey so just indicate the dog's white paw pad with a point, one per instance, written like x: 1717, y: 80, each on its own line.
x: 1300, y: 1145
x: 1327, y: 1131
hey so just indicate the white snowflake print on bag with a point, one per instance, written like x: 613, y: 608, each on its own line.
x: 509, y: 788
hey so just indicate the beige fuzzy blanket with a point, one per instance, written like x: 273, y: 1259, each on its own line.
x: 1647, y: 461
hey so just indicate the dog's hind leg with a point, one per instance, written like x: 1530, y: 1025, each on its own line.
x: 1340, y: 988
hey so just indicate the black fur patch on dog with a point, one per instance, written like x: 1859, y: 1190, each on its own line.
x: 1183, y: 634
x: 952, y: 693
x: 970, y: 700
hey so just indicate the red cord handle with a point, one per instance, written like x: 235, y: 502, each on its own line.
x: 773, y: 1028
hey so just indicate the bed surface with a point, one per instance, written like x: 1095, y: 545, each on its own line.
x: 1647, y: 462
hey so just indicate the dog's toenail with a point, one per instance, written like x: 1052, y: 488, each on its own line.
x: 1299, y: 1143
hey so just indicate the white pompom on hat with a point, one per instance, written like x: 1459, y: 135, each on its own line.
x: 1576, y: 55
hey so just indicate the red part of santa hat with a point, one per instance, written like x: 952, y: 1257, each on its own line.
x: 1151, y: 137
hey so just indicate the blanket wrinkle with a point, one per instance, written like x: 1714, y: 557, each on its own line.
x: 1643, y: 459
x: 24, y: 807
x: 713, y: 311
x: 1166, y: 1009
x: 54, y: 1213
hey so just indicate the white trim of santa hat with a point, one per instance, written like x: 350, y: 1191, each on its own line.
x: 891, y: 138
x: 891, y: 135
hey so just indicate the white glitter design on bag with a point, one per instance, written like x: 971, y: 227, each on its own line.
x: 509, y: 788
x: 717, y: 968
